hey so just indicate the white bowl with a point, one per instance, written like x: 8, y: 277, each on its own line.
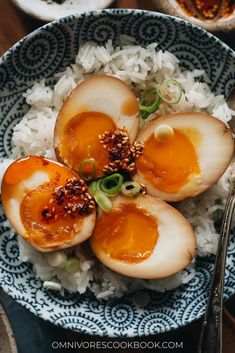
x: 50, y: 12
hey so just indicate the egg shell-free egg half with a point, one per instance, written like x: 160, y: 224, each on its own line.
x: 175, y: 247
x: 213, y: 144
x: 112, y: 104
x: 27, y: 175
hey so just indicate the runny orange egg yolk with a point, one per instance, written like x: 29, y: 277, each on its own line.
x: 168, y: 163
x: 128, y: 234
x: 80, y: 140
x: 42, y: 230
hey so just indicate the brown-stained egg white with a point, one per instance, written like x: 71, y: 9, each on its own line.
x: 143, y: 237
x: 97, y: 105
x: 47, y: 203
x: 184, y: 154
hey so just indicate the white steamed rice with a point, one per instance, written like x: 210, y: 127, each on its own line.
x: 140, y: 68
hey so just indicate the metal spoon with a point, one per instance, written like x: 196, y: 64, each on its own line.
x: 211, y: 333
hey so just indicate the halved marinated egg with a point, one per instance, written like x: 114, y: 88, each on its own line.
x: 47, y: 203
x: 143, y: 237
x: 184, y: 154
x: 97, y: 105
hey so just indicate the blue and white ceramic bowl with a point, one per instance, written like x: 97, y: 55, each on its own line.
x: 40, y: 55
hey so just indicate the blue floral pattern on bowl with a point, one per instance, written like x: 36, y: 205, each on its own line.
x: 40, y: 55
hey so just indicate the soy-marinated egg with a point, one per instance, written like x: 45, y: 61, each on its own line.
x: 97, y: 105
x: 184, y: 154
x: 143, y: 237
x: 47, y: 203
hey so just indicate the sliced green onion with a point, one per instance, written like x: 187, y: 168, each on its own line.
x: 57, y: 258
x: 93, y: 188
x: 163, y: 131
x: 72, y: 265
x: 111, y: 185
x: 144, y: 114
x: 103, y: 201
x: 170, y: 91
x: 87, y: 174
x: 131, y: 188
x: 149, y: 102
x: 148, y: 97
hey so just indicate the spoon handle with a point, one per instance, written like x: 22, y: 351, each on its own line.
x: 211, y: 334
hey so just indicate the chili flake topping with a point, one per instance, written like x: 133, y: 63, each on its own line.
x: 121, y: 152
x: 73, y: 196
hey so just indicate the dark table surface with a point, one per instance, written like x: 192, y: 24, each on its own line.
x: 33, y: 335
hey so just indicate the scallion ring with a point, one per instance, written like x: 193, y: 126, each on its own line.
x: 84, y: 169
x: 149, y: 103
x: 170, y: 91
x: 72, y: 265
x: 93, y: 188
x: 111, y: 185
x: 103, y: 201
x: 130, y: 188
